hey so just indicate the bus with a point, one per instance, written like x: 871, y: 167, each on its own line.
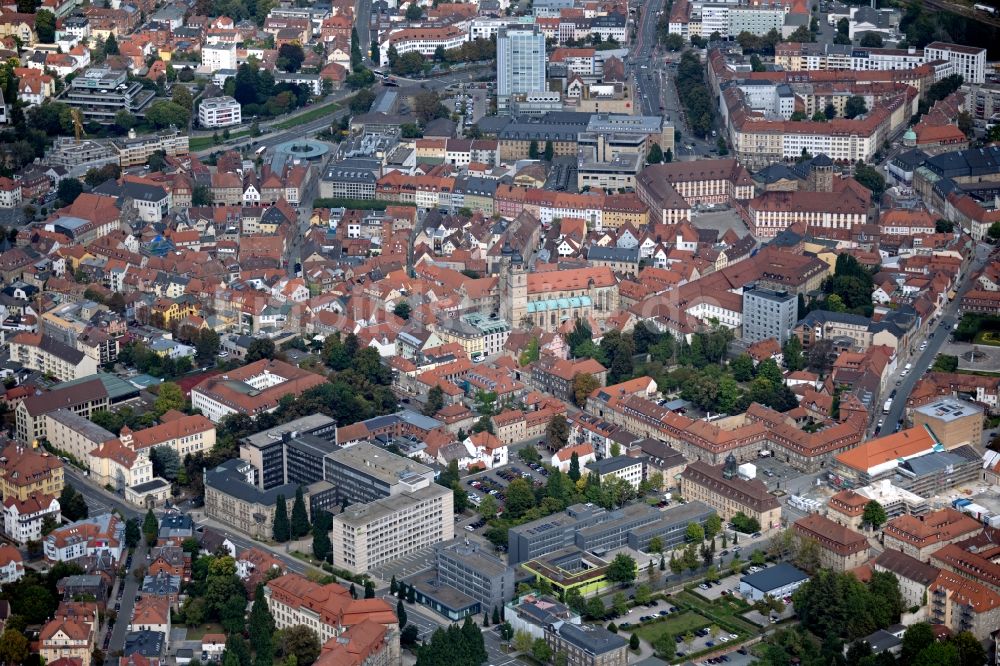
x: 887, y: 406
x: 260, y: 151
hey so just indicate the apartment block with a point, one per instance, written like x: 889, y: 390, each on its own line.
x: 464, y: 566
x: 768, y: 314
x: 76, y: 435
x: 962, y: 604
x: 51, y: 357
x: 722, y: 488
x: 219, y: 112
x: 920, y: 536
x: 27, y: 472
x: 329, y: 610
x: 23, y: 519
x: 840, y: 548
x: 100, y: 535
x: 365, y: 473
x: 293, y: 452
x: 232, y: 497
x: 631, y: 470
x: 187, y: 435
x: 253, y: 389
x: 365, y: 536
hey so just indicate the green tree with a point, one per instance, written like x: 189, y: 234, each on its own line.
x: 742, y: 368
x: 45, y: 26
x: 370, y: 590
x: 540, y: 650
x: 69, y: 189
x: 72, y: 504
x: 261, y: 623
x: 300, y: 518
x: 574, y: 467
x: 584, y: 384
x: 132, y: 533
x: 169, y: 396
x: 301, y: 642
x: 695, y: 533
x: 970, y: 650
x: 874, y: 514
x: 13, y: 647
x: 402, y: 310
x: 622, y: 569
x: 322, y: 548
x: 533, y: 150
x: 916, y: 639
x: 557, y: 432
x: 414, y: 12
x: 260, y: 348
x: 713, y: 526
x: 281, y: 529
x: 792, y: 352
x: 937, y: 654
x: 994, y: 232
x: 655, y: 155
x: 165, y: 114
x: 520, y: 498
x: 871, y: 40
x: 201, y: 195
x: 435, y: 401
x: 633, y: 642
x: 855, y: 106
x: 665, y: 646
x: 150, y: 527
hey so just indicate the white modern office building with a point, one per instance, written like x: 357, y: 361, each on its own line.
x: 520, y: 62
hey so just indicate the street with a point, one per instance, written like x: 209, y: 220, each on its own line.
x: 923, y: 361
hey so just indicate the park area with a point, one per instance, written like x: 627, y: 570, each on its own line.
x: 677, y: 624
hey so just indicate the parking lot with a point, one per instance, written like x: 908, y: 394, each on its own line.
x: 407, y: 565
x: 494, y: 482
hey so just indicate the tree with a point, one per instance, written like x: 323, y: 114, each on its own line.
x: 574, y: 467
x: 45, y: 26
x: 370, y: 589
x: 916, y: 639
x: 713, y: 526
x: 643, y: 593
x: 69, y: 189
x: 622, y: 569
x: 970, y: 650
x: 201, y: 195
x: 362, y: 101
x: 871, y: 40
x: 401, y: 613
x: 695, y: 533
x: 260, y: 348
x: 540, y: 650
x: 72, y: 504
x: 633, y: 642
x: 402, y: 310
x: 792, y: 353
x: 300, y: 642
x: 869, y: 177
x: 520, y: 498
x: 261, y: 623
x: 655, y: 155
x: 557, y: 432
x: 874, y: 515
x: 596, y: 609
x: 533, y: 150
x: 435, y: 401
x: 584, y: 384
x: 742, y: 367
x: 673, y: 42
x: 937, y: 654
x: 132, y: 533
x: 665, y: 646
x: 290, y: 57
x: 164, y: 114
x: 169, y: 396
x: 111, y: 45
x: 414, y: 12
x: 166, y: 461
x: 855, y: 106
x: 13, y: 647
x: 300, y: 519
x: 549, y: 152
x: 182, y: 97
x: 830, y: 111
x: 427, y: 105
x: 655, y: 545
x: 744, y: 523
x: 150, y: 527
x: 994, y: 232
x: 281, y: 530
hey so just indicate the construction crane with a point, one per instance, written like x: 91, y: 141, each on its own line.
x: 77, y: 123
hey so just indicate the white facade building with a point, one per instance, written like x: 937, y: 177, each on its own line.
x: 969, y: 61
x: 219, y: 112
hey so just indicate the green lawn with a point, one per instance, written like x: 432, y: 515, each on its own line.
x: 206, y: 142
x: 987, y: 338
x: 677, y: 624
x: 307, y: 116
x: 195, y: 633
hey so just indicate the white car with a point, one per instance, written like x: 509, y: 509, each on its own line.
x: 733, y: 637
x: 723, y: 639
